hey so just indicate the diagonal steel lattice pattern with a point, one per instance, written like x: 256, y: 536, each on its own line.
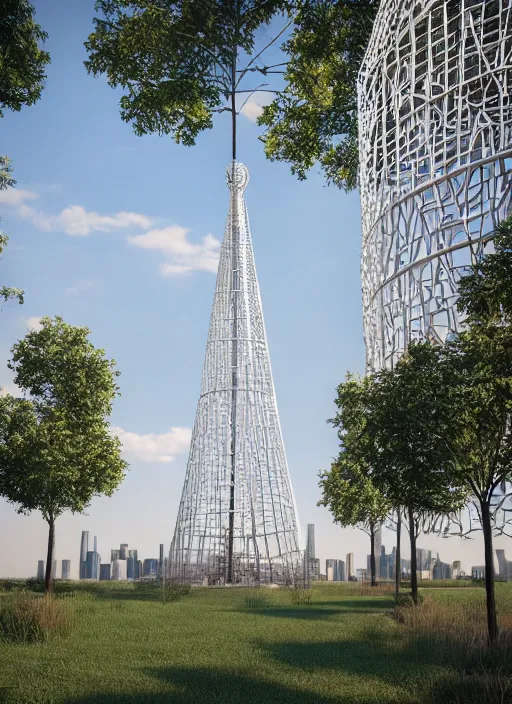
x: 237, y: 520
x: 435, y: 131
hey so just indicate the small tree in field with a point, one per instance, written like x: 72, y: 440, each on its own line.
x: 410, y: 423
x: 353, y: 501
x: 481, y: 358
x: 56, y: 451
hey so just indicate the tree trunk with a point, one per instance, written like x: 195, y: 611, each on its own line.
x: 398, y: 557
x: 372, y: 555
x: 414, y: 573
x: 492, y: 620
x: 48, y: 578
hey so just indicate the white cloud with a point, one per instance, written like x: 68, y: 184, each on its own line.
x: 75, y: 220
x: 10, y: 389
x: 15, y: 197
x: 154, y: 447
x: 252, y: 110
x: 253, y: 107
x: 80, y: 287
x: 182, y: 256
x: 34, y: 323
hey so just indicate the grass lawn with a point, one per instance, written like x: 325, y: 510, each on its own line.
x: 227, y: 646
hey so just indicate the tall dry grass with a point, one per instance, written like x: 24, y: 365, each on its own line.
x: 455, y: 634
x: 30, y: 618
x: 366, y: 589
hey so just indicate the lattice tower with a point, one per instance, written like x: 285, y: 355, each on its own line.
x: 435, y: 121
x: 237, y: 520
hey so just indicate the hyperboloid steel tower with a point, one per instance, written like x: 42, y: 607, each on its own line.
x: 237, y: 521
x: 435, y: 146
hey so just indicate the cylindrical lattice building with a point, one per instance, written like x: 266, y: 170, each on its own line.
x: 435, y: 126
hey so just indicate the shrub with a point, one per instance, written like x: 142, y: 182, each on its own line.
x: 301, y: 595
x: 26, y: 618
x: 173, y: 591
x: 406, y: 600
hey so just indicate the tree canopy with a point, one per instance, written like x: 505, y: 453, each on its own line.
x: 177, y: 61
x: 353, y: 500
x: 56, y: 448
x: 314, y: 118
x: 22, y: 62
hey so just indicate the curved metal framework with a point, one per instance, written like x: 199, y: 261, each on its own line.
x: 435, y: 125
x: 237, y: 521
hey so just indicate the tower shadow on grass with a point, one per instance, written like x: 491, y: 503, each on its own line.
x: 204, y: 686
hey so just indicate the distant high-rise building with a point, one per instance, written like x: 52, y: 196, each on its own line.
x: 132, y: 553
x: 150, y: 567
x: 384, y: 564
x: 119, y: 570
x: 130, y: 567
x: 504, y: 565
x: 54, y: 570
x: 350, y: 569
x: 441, y: 570
x: 161, y: 561
x: 114, y: 555
x: 66, y: 569
x: 310, y: 544
x: 478, y: 572
x: 424, y: 563
x: 334, y: 570
x: 40, y: 570
x: 84, y: 549
x: 104, y: 571
x: 123, y: 549
x: 377, y: 549
x: 92, y: 570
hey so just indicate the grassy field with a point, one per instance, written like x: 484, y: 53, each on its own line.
x: 227, y: 646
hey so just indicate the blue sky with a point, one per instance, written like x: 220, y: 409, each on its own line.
x: 115, y: 231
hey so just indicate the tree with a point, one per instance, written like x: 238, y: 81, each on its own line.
x: 353, y: 500
x: 402, y: 436
x: 56, y: 450
x: 22, y: 77
x: 412, y: 419
x: 179, y: 61
x: 314, y: 118
x: 481, y: 358
x: 7, y: 292
x: 22, y: 62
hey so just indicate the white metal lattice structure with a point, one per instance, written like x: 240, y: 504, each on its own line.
x: 435, y: 126
x: 237, y: 520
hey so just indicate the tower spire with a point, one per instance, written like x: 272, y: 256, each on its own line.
x: 237, y: 521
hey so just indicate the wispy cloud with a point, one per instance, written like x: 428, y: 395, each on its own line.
x: 252, y: 107
x: 80, y: 287
x: 154, y: 447
x: 34, y: 323
x: 182, y: 256
x: 74, y: 220
x: 77, y: 221
x: 15, y: 197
